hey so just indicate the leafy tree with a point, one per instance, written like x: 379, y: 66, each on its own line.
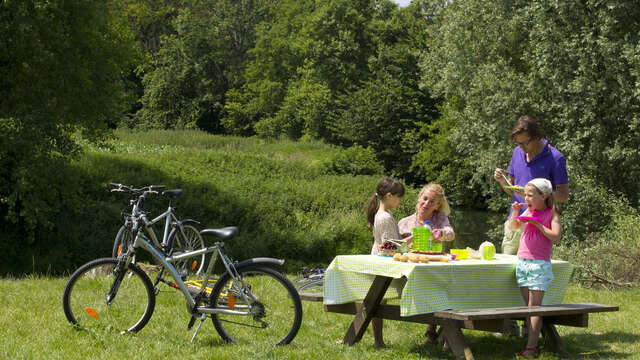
x: 312, y: 46
x: 438, y: 160
x: 150, y: 21
x: 573, y: 65
x: 273, y: 62
x: 199, y: 63
x: 61, y: 74
x: 305, y: 107
x: 389, y: 109
x: 346, y: 72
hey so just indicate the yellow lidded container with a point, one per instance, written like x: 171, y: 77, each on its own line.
x: 460, y: 253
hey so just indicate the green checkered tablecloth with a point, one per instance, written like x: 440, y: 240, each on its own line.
x: 425, y: 288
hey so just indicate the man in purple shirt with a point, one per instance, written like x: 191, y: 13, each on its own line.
x: 533, y: 158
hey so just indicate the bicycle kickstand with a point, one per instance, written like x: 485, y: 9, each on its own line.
x: 203, y: 317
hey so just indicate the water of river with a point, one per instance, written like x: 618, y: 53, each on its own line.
x: 471, y: 227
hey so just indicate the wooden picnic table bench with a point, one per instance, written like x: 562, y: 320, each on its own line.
x: 472, y: 294
x: 311, y: 296
x: 452, y: 321
x: 493, y: 320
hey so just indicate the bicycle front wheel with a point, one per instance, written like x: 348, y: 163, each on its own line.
x: 92, y: 301
x: 272, y: 318
x: 123, y: 239
x: 188, y: 240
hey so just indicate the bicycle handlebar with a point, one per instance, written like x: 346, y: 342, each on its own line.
x: 150, y: 189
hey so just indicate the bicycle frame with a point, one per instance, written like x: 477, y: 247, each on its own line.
x: 148, y: 225
x: 141, y: 241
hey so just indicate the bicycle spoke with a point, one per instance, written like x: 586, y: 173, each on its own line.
x: 95, y: 299
x: 274, y: 317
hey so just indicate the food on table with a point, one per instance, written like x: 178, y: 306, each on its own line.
x: 437, y: 258
x: 387, y: 248
x: 428, y: 252
x: 423, y: 258
x: 414, y: 257
x: 474, y: 254
x: 388, y: 245
x: 401, y: 257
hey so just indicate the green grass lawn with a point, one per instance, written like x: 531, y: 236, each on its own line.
x: 34, y: 327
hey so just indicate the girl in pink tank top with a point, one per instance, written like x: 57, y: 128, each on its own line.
x: 533, y: 271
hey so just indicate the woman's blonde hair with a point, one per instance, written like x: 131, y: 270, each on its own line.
x: 442, y: 199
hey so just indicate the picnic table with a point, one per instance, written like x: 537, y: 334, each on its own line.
x: 474, y: 294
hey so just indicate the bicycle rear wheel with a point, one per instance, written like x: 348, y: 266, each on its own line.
x: 122, y: 241
x: 85, y: 299
x: 313, y: 286
x: 274, y: 317
x: 188, y: 240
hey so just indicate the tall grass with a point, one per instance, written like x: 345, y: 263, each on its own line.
x: 279, y: 193
x: 34, y: 327
x: 288, y: 198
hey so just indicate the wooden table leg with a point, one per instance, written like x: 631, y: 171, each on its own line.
x: 552, y: 339
x: 365, y: 314
x: 454, y: 337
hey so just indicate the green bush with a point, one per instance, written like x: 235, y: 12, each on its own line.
x: 609, y: 257
x: 277, y: 193
x: 356, y: 160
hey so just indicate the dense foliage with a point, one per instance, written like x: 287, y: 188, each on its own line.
x: 62, y: 70
x: 303, y: 202
x: 573, y: 65
x: 425, y: 93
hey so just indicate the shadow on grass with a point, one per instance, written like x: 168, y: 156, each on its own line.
x: 608, y: 345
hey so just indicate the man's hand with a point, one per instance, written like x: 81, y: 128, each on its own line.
x: 500, y: 176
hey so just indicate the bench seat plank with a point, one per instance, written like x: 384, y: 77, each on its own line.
x: 524, y: 311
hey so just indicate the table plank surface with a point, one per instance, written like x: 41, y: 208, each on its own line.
x: 435, y: 286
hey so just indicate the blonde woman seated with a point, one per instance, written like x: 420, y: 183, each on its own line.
x: 433, y: 206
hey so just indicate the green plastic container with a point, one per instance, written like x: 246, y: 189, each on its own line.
x: 487, y: 250
x: 423, y: 239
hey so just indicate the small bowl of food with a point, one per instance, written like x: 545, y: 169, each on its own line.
x: 387, y: 249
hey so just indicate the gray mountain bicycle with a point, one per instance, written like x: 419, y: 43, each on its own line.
x: 179, y: 235
x: 249, y: 302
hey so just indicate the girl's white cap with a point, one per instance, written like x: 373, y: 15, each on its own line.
x: 543, y: 185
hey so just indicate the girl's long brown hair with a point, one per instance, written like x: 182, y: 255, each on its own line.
x: 386, y: 185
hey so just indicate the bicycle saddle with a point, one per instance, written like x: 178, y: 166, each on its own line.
x: 172, y: 193
x: 222, y: 234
